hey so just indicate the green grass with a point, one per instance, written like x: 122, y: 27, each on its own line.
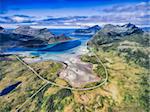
x: 57, y: 101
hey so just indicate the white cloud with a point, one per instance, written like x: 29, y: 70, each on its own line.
x: 116, y: 14
x: 19, y: 19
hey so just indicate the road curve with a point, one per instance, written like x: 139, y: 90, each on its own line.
x: 66, y: 87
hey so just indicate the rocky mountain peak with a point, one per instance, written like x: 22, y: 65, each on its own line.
x: 22, y: 29
x: 121, y: 30
x: 129, y: 25
x: 89, y: 30
x: 43, y: 29
x: 94, y: 28
x: 42, y: 34
x: 108, y: 26
x: 1, y: 29
x: 110, y: 33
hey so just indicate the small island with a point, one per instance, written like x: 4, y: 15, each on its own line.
x: 87, y: 31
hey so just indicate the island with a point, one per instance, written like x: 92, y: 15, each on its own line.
x: 87, y: 31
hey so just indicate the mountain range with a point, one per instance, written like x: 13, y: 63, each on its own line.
x: 26, y: 36
x: 90, y: 30
x: 110, y: 33
x: 127, y: 40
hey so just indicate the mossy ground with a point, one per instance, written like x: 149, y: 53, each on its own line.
x: 125, y: 91
x: 14, y: 71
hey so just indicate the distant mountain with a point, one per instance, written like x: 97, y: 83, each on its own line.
x: 109, y: 33
x: 42, y: 34
x: 25, y: 36
x: 121, y: 30
x: 10, y: 40
x: 94, y: 28
x: 1, y: 29
x: 127, y: 40
x: 90, y: 30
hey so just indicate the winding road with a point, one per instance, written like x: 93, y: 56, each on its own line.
x: 58, y: 85
x: 66, y: 87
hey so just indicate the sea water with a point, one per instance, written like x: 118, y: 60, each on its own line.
x: 55, y: 51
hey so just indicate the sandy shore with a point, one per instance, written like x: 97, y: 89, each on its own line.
x: 76, y: 72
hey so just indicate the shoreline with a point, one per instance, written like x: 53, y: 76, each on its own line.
x: 76, y: 72
x: 67, y: 87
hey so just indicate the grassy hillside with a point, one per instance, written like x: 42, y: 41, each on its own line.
x: 126, y: 57
x: 12, y: 71
x: 127, y: 86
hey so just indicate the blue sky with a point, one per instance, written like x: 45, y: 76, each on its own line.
x: 23, y: 4
x: 72, y: 13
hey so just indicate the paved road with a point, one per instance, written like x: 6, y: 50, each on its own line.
x: 71, y: 88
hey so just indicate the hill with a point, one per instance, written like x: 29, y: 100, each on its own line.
x: 90, y: 30
x: 127, y: 40
x: 25, y: 36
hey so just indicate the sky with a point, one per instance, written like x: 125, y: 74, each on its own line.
x: 73, y: 13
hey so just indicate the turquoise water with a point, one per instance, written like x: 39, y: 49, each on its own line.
x: 59, y: 47
x: 63, y: 46
x: 69, y: 47
x: 58, y: 51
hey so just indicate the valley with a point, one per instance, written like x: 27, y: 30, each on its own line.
x: 107, y: 72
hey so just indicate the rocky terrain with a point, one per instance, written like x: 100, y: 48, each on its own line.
x: 42, y: 34
x: 79, y: 73
x: 110, y: 33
